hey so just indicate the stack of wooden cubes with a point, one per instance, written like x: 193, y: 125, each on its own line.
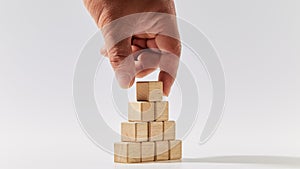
x: 148, y: 135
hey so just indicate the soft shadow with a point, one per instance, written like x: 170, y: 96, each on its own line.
x: 273, y: 160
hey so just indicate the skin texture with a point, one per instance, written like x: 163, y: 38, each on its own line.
x: 140, y: 54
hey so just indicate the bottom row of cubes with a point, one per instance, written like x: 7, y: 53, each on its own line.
x: 134, y: 152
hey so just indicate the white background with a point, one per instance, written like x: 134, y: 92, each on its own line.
x: 259, y: 46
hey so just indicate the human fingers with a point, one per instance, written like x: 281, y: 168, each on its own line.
x: 122, y: 61
x: 169, y: 61
x: 146, y: 63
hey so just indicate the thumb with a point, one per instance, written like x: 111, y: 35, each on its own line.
x: 123, y: 62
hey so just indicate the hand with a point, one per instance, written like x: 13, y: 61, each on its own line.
x: 148, y: 48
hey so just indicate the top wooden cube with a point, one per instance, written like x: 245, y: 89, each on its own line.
x: 149, y: 91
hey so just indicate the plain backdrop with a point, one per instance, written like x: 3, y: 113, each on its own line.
x: 40, y: 40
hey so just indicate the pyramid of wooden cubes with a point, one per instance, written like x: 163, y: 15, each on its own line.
x: 148, y: 135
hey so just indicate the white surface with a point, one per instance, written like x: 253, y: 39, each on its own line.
x: 258, y: 42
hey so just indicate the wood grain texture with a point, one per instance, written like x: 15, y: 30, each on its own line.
x: 120, y: 152
x: 155, y: 131
x: 155, y: 91
x: 161, y: 111
x: 142, y: 91
x: 161, y: 150
x: 149, y: 91
x: 141, y: 111
x: 134, y: 132
x: 127, y: 152
x: 149, y: 135
x: 169, y: 130
x: 175, y: 149
x: 148, y: 151
x: 134, y: 152
x: 141, y: 132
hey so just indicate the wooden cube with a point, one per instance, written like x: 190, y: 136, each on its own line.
x: 155, y: 131
x: 169, y: 130
x: 175, y: 149
x: 161, y: 110
x: 141, y: 111
x: 127, y: 152
x: 148, y: 151
x: 134, y: 132
x: 161, y: 150
x: 149, y: 91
